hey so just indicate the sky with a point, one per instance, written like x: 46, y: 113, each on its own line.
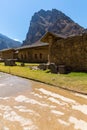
x: 15, y: 15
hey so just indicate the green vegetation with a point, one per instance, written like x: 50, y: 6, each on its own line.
x: 73, y: 81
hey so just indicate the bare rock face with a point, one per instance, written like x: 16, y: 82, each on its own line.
x: 54, y: 21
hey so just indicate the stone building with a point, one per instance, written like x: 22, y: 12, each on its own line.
x: 8, y: 54
x: 0, y: 55
x: 36, y: 53
x: 70, y: 52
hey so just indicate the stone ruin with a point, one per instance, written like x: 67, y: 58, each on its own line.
x: 61, y: 69
x: 9, y: 62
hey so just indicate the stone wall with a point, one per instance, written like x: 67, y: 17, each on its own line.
x: 36, y: 54
x: 71, y: 52
x: 8, y: 54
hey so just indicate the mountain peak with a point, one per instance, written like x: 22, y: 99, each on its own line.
x: 53, y: 21
x: 6, y: 42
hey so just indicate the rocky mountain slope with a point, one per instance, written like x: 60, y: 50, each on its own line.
x: 6, y: 42
x: 54, y: 21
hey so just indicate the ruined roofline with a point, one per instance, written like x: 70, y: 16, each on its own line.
x: 33, y: 46
x: 8, y: 49
x: 56, y: 36
x: 59, y: 36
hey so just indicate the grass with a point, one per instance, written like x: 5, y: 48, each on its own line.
x: 73, y: 81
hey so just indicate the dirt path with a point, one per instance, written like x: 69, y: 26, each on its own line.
x: 43, y: 107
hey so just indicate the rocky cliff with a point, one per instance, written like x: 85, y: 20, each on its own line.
x: 6, y: 42
x: 54, y: 21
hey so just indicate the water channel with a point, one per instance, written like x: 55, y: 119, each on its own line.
x: 29, y: 105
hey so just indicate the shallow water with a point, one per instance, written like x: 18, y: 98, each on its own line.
x: 41, y: 107
x: 10, y: 85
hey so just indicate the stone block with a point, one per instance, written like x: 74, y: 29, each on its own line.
x: 52, y: 67
x: 42, y: 66
x: 61, y: 69
x: 9, y: 62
